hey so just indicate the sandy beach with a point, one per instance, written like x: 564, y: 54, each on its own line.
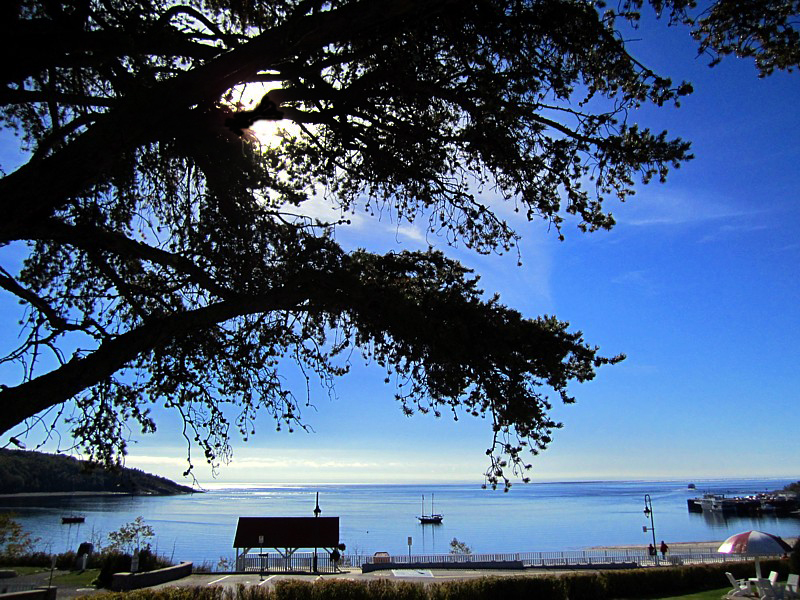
x: 679, y: 547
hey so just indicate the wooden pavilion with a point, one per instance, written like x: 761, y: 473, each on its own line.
x: 285, y: 535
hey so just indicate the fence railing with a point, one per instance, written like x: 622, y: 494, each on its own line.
x: 551, y: 559
x: 264, y: 562
x: 304, y: 561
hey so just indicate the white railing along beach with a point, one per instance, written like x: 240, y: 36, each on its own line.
x: 303, y: 561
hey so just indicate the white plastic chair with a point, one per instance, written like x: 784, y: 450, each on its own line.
x: 741, y: 587
x: 766, y: 591
x: 790, y: 591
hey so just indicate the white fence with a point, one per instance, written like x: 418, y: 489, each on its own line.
x: 266, y: 562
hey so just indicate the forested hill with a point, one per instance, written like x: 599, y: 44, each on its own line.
x: 27, y: 472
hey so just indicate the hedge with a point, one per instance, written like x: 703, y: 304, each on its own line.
x: 599, y: 585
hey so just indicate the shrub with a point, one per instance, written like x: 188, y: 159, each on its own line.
x: 585, y: 586
x: 507, y: 588
x: 339, y: 590
x: 287, y: 589
x: 249, y: 592
x: 384, y: 589
x: 32, y: 559
x: 794, y: 558
x: 150, y: 561
x: 628, y: 583
x: 112, y: 562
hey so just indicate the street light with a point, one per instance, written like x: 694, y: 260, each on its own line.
x: 317, y: 511
x: 648, y: 512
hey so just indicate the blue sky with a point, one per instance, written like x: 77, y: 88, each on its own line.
x: 697, y: 284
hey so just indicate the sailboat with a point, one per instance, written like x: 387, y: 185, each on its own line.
x: 431, y: 519
x: 69, y: 520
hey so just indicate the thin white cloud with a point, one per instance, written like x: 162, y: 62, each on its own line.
x: 674, y: 209
x: 290, y: 462
x: 411, y: 232
x: 640, y: 280
x: 725, y: 231
x: 248, y: 463
x: 143, y: 460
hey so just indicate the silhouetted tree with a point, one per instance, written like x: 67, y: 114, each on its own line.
x: 165, y: 258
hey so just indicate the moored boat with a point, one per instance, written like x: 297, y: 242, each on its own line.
x: 431, y: 519
x: 775, y: 503
x: 72, y: 520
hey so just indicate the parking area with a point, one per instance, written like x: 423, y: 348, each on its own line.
x: 418, y: 575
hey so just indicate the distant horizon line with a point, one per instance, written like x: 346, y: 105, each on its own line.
x: 686, y: 480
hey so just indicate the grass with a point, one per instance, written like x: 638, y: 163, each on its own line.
x: 77, y: 578
x: 73, y: 578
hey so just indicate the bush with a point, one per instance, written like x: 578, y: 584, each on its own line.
x: 32, y: 559
x: 116, y: 562
x: 794, y: 558
x: 112, y: 562
x: 492, y: 588
x: 585, y: 586
x: 150, y: 561
x: 249, y: 592
x: 384, y: 589
x: 287, y: 589
x: 628, y: 583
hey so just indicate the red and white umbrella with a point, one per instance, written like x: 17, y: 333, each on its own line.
x: 755, y: 543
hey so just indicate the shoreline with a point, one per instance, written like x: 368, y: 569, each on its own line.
x: 676, y: 547
x: 90, y: 493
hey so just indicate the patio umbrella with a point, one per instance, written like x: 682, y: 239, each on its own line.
x: 755, y: 544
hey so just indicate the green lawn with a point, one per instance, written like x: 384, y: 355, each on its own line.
x: 73, y: 578
x: 76, y: 578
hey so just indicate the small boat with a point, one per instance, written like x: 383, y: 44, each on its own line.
x: 431, y: 519
x: 692, y: 486
x: 71, y: 520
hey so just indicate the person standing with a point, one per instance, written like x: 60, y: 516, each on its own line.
x: 664, y: 549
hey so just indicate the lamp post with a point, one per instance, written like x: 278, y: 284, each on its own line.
x: 317, y: 511
x: 648, y: 512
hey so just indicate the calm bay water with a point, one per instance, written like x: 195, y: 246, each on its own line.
x: 534, y: 517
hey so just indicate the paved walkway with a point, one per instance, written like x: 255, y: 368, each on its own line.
x: 254, y: 579
x: 43, y: 579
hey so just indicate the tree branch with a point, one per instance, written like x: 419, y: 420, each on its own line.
x: 11, y: 96
x: 25, y: 400
x: 88, y: 237
x: 34, y: 192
